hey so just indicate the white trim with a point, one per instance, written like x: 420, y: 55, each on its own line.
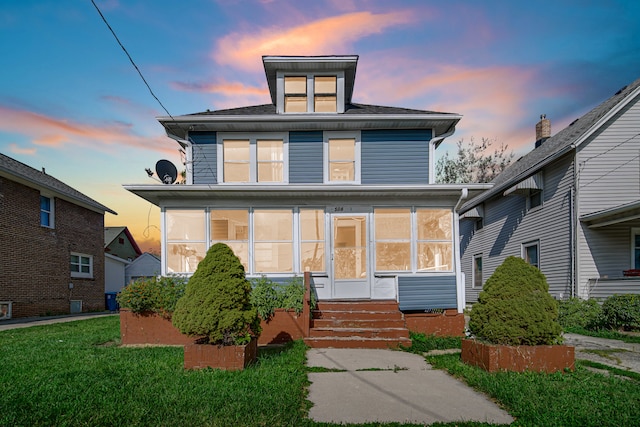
x: 80, y: 274
x: 51, y: 211
x: 326, y: 136
x: 253, y: 138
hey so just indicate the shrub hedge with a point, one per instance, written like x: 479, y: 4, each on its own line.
x: 622, y: 312
x: 155, y: 294
x: 267, y: 296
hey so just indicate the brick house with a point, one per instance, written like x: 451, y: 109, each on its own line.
x: 52, y: 252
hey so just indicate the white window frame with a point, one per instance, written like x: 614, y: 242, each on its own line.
x: 253, y: 155
x: 473, y: 271
x: 635, y: 231
x: 529, y: 244
x: 357, y: 155
x: 80, y: 274
x: 340, y: 83
x: 51, y: 210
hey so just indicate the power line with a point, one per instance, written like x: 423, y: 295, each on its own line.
x: 130, y: 59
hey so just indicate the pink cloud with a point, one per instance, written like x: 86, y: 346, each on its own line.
x: 222, y: 87
x: 321, y: 37
x: 54, y: 132
x: 16, y: 149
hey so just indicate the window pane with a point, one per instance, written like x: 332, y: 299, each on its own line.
x: 45, y: 203
x: 184, y: 257
x: 325, y: 84
x: 350, y: 263
x: 185, y: 224
x: 273, y: 225
x: 229, y: 225
x: 270, y: 172
x: 393, y: 256
x: 241, y: 250
x: 295, y: 104
x: 435, y: 256
x: 312, y: 224
x: 477, y: 272
x: 269, y: 150
x: 392, y: 224
x: 342, y: 149
x: 531, y: 253
x: 295, y: 85
x: 236, y: 150
x: 237, y: 172
x: 434, y: 224
x: 45, y: 218
x: 342, y: 171
x: 312, y: 256
x: 325, y: 104
x: 273, y: 257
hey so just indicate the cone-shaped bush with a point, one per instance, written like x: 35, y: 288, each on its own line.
x: 515, y: 307
x: 216, y: 304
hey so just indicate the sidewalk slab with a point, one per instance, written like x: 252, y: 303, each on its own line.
x: 391, y: 386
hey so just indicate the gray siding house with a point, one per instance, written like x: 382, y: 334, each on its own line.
x: 313, y: 182
x: 571, y: 207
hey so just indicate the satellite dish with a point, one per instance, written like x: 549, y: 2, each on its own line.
x: 166, y: 171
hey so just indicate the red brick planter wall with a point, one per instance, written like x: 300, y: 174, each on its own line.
x: 537, y: 358
x: 229, y: 357
x: 450, y: 323
x: 284, y: 326
x: 149, y: 328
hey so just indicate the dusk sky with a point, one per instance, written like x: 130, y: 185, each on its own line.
x: 71, y: 101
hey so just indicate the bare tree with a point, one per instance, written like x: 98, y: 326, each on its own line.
x: 474, y: 162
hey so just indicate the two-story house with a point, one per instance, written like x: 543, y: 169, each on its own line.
x: 313, y: 182
x: 52, y: 252
x: 571, y: 206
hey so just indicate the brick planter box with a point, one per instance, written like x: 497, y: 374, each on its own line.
x: 284, y: 326
x: 149, y: 328
x: 537, y: 358
x: 227, y: 357
x: 450, y: 323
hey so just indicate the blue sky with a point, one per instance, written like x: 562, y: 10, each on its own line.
x: 71, y: 101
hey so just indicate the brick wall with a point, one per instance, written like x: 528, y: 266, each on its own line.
x: 34, y: 260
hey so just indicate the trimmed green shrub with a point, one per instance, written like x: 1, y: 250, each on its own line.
x: 155, y: 294
x: 515, y: 307
x: 580, y: 313
x: 216, y: 304
x: 622, y: 312
x: 267, y: 296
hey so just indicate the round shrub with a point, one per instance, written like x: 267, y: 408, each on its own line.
x: 515, y: 307
x: 216, y: 304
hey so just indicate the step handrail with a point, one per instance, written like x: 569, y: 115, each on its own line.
x: 306, y: 307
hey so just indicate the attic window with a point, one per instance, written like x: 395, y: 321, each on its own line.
x: 295, y: 94
x: 311, y: 93
x: 325, y: 98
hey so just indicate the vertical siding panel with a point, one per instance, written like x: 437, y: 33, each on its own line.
x: 395, y: 156
x: 305, y: 158
x: 204, y: 157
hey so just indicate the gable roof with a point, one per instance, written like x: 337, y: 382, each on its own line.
x: 111, y: 233
x: 265, y: 118
x: 561, y: 143
x: 26, y: 175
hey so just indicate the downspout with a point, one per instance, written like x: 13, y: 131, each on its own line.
x: 460, y: 285
x: 574, y: 224
x: 434, y: 143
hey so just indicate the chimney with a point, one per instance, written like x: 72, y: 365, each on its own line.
x: 543, y: 130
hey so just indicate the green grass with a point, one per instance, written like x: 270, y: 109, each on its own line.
x: 421, y: 343
x: 603, y: 333
x: 77, y: 374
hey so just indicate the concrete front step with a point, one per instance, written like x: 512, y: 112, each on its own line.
x: 360, y: 332
x: 357, y: 315
x: 356, y: 342
x: 358, y: 323
x: 367, y: 306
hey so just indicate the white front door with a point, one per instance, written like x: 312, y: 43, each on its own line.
x: 350, y: 256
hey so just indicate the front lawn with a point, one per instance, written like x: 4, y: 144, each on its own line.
x: 76, y: 374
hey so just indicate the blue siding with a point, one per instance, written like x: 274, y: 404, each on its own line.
x: 395, y: 156
x: 305, y: 157
x: 204, y: 156
x: 424, y: 293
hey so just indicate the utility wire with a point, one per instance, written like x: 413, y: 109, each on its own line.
x: 130, y: 59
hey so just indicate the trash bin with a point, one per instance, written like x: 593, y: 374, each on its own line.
x: 110, y: 301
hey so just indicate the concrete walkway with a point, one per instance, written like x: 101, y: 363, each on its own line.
x: 615, y: 353
x: 391, y: 386
x: 37, y: 321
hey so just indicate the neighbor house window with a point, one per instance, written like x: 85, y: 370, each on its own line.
x: 635, y: 247
x: 295, y: 94
x: 273, y: 241
x: 312, y: 245
x: 435, y: 242
x: 186, y: 246
x: 325, y: 94
x: 392, y: 239
x: 254, y: 158
x: 531, y: 253
x: 81, y: 265
x: 46, y: 211
x: 534, y: 199
x: 232, y: 228
x: 477, y: 271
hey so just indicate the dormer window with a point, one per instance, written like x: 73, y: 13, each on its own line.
x: 310, y: 93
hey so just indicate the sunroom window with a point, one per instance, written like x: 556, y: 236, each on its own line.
x: 393, y: 239
x: 185, y: 231
x: 232, y: 228
x: 273, y: 240
x: 312, y: 245
x: 435, y: 244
